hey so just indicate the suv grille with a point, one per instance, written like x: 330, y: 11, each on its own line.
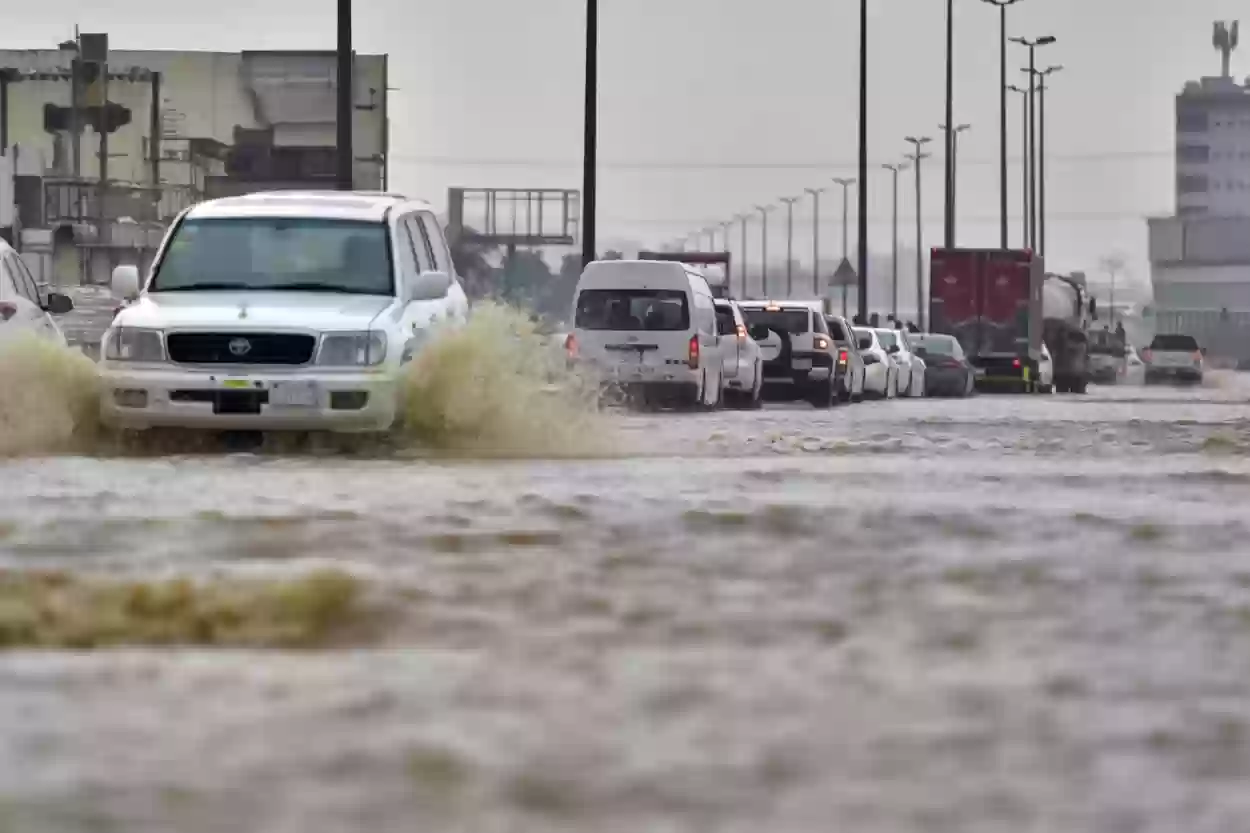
x: 261, y: 348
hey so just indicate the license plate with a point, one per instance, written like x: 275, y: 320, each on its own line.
x: 236, y: 384
x: 294, y: 395
x: 802, y: 364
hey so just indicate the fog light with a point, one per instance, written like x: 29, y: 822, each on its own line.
x: 348, y: 400
x: 129, y: 398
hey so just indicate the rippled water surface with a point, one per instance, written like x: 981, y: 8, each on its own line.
x: 995, y: 614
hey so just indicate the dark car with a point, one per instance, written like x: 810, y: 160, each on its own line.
x: 947, y: 370
x: 849, y: 370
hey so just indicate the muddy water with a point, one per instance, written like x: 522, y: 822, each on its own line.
x: 997, y: 614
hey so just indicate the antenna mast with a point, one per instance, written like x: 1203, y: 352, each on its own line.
x: 1225, y: 42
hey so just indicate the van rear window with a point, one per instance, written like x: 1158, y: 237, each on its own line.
x: 632, y: 309
x: 1178, y: 343
x: 793, y: 321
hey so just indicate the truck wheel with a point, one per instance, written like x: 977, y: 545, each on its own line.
x: 1079, y: 387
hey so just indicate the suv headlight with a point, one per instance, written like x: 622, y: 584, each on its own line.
x: 134, y: 344
x: 363, y: 349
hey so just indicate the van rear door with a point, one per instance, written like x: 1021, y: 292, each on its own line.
x: 634, y: 329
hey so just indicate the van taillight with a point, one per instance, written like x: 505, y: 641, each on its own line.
x: 7, y: 310
x: 742, y: 331
x: 1147, y: 355
x: 1015, y: 363
x: 570, y: 345
x: 841, y: 357
x: 693, y: 358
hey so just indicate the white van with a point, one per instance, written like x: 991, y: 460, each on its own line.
x: 649, y: 327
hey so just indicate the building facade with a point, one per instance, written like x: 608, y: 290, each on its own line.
x: 167, y: 129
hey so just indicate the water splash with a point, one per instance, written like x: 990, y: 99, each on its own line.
x: 49, y: 398
x: 497, y: 386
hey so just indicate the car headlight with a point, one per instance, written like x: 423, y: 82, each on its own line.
x: 363, y: 349
x: 134, y: 344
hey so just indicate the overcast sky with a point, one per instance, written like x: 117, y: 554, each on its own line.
x: 709, y: 107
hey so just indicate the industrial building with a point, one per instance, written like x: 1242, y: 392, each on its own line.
x: 166, y: 129
x: 1200, y: 256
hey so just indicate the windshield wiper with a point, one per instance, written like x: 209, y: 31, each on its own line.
x: 315, y: 286
x: 206, y: 286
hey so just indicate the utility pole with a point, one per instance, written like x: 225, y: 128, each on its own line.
x: 862, y: 293
x: 1032, y: 45
x: 949, y: 160
x: 345, y: 85
x: 764, y: 211
x: 1002, y: 109
x: 816, y: 192
x: 917, y: 158
x: 1041, y: 154
x: 1025, y: 196
x: 789, y: 203
x: 894, y: 169
x: 590, y: 132
x: 845, y: 183
x: 953, y: 147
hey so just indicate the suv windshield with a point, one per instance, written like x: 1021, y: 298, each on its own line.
x: 1181, y: 344
x: 277, y: 253
x: 887, y: 339
x: 793, y: 321
x: 632, y: 309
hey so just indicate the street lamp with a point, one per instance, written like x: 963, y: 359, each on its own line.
x: 816, y: 192
x: 1002, y: 105
x: 743, y: 218
x: 949, y: 219
x: 1032, y: 45
x: 590, y: 119
x: 894, y: 169
x: 1041, y: 154
x: 916, y: 159
x: 344, y: 87
x: 953, y: 147
x: 789, y: 204
x: 845, y: 183
x: 1024, y: 163
x: 764, y: 211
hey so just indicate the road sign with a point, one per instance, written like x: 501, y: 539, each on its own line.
x: 844, y: 275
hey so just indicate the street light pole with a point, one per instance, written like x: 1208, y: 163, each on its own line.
x: 845, y: 183
x: 1041, y: 154
x: 789, y: 203
x: 949, y: 161
x: 344, y: 87
x: 862, y: 288
x: 1002, y: 105
x: 1032, y: 71
x: 917, y: 158
x: 816, y: 192
x: 764, y: 210
x: 954, y: 169
x: 1024, y: 164
x: 743, y: 218
x: 590, y: 118
x: 894, y: 169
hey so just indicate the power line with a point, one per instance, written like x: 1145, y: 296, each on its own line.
x: 1115, y: 156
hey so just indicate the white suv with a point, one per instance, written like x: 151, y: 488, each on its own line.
x: 281, y: 310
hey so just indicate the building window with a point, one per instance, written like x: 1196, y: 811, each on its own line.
x: 1191, y: 184
x: 1191, y: 120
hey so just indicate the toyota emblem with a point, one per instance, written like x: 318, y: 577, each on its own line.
x: 239, y: 346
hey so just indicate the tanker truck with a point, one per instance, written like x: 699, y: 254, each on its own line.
x: 1066, y: 313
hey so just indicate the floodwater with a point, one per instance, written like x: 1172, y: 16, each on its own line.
x: 1003, y: 613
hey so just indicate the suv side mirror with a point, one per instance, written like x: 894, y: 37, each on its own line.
x: 125, y: 283
x: 58, y: 303
x: 759, y: 332
x: 428, y: 286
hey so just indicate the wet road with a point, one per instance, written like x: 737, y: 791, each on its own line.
x: 996, y: 614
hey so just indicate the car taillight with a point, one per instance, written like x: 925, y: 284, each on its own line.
x: 1015, y: 363
x: 570, y: 345
x: 693, y: 358
x: 1147, y: 355
x: 742, y: 331
x: 1197, y: 355
x: 841, y: 357
x: 7, y: 310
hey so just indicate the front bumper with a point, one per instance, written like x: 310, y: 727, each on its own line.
x: 139, y: 397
